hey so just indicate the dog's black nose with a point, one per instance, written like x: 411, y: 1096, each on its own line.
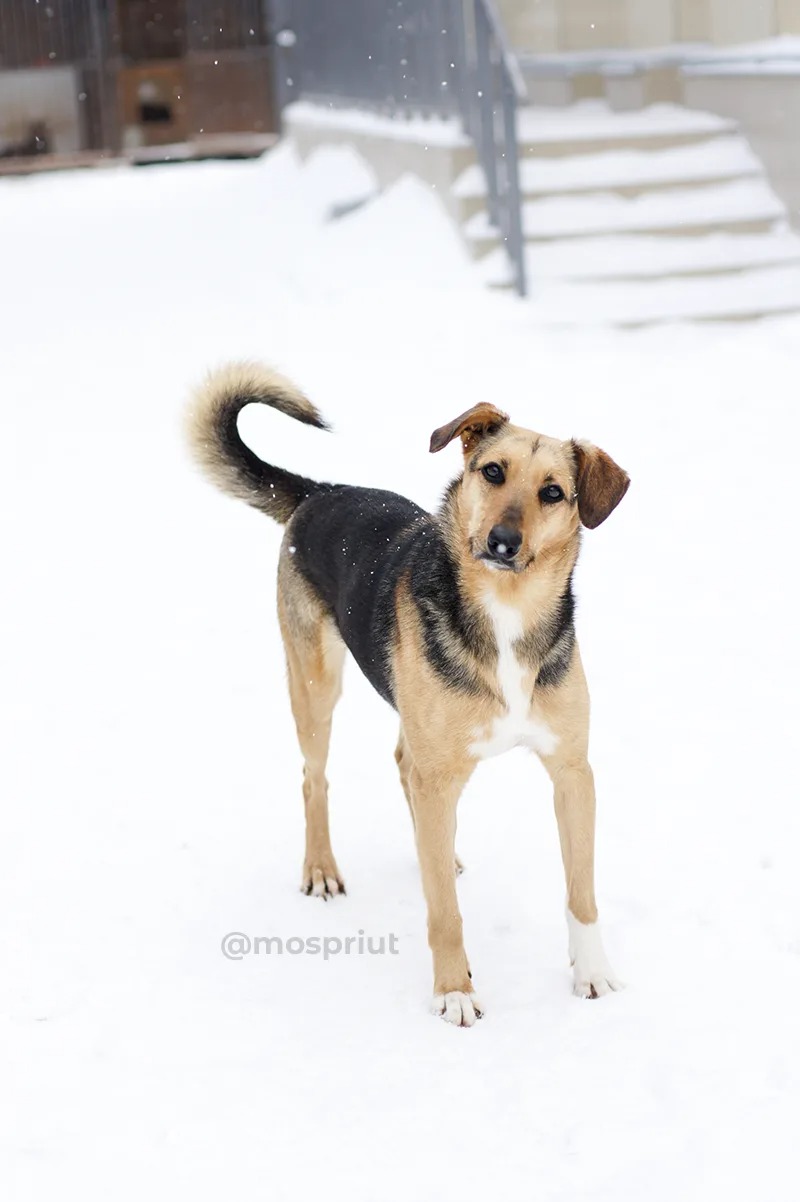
x: 503, y: 543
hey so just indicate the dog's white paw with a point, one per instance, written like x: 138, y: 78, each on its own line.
x: 596, y: 983
x: 322, y: 881
x: 593, y: 976
x: 460, y: 1009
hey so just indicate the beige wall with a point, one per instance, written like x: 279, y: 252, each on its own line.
x: 541, y: 26
x: 546, y: 26
x: 652, y: 22
x: 742, y: 20
x: 788, y: 16
x: 693, y: 21
x: 587, y: 25
x: 532, y: 26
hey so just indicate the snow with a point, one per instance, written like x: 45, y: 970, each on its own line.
x: 782, y: 47
x: 727, y: 157
x: 756, y: 67
x: 773, y: 56
x: 595, y: 119
x: 739, y: 201
x: 750, y: 294
x: 771, y: 52
x: 429, y: 131
x: 152, y: 781
x: 639, y: 256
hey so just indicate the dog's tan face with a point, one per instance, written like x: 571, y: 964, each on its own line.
x: 518, y: 498
x: 523, y: 495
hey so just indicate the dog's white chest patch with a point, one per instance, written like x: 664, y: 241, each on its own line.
x: 516, y: 727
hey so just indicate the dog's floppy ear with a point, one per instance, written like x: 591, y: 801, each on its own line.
x: 600, y: 483
x: 472, y: 426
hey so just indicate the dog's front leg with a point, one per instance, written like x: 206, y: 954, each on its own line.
x: 575, y: 812
x: 434, y: 797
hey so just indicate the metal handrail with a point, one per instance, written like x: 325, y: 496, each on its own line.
x: 499, y: 35
x: 500, y: 87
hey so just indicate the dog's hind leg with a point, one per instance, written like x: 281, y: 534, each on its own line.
x: 403, y: 760
x: 315, y: 658
x: 402, y: 756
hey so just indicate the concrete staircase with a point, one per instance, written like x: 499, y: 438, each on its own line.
x: 637, y: 217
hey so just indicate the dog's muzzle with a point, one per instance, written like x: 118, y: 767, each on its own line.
x: 502, y: 545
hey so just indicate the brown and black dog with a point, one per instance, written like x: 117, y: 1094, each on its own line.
x: 462, y: 620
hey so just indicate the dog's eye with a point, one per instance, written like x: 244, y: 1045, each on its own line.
x: 550, y: 494
x: 493, y: 473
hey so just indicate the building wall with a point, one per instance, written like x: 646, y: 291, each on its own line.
x: 652, y: 22
x: 788, y: 16
x: 534, y: 26
x: 585, y: 24
x: 693, y: 21
x: 742, y: 20
x: 548, y: 26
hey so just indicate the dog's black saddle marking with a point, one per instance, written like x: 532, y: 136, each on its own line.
x: 354, y: 545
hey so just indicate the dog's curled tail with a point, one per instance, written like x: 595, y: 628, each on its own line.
x: 218, y: 449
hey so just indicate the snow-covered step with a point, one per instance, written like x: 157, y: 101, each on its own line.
x: 746, y: 206
x: 736, y: 298
x: 624, y: 171
x: 635, y: 217
x: 640, y: 256
x: 592, y: 126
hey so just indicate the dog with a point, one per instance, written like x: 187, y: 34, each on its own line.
x: 462, y: 620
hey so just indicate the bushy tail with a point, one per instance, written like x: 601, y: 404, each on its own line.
x: 214, y: 437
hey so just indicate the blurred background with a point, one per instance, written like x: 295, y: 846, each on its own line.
x: 595, y: 143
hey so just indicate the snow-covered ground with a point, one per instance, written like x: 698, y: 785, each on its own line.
x: 151, y: 780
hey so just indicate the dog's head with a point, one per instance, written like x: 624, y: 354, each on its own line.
x: 523, y: 495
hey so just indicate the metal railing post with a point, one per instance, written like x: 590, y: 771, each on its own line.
x: 499, y: 152
x: 484, y: 81
x: 516, y: 240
